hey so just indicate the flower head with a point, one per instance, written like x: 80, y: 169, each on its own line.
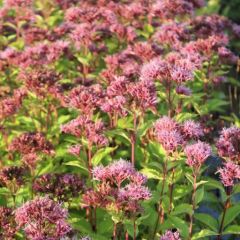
x: 8, y: 226
x: 41, y: 218
x: 75, y: 149
x: 191, y: 130
x: 61, y: 186
x: 229, y: 174
x: 167, y: 132
x: 31, y: 143
x: 85, y: 98
x: 120, y: 187
x: 183, y: 90
x: 13, y: 175
x: 197, y: 153
x: 169, y: 235
x: 229, y: 142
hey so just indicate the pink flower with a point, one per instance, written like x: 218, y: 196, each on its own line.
x: 228, y: 143
x: 229, y: 174
x: 191, y: 130
x: 41, y: 218
x: 18, y: 3
x: 85, y: 98
x: 169, y: 235
x: 165, y: 123
x: 170, y: 140
x: 169, y: 9
x: 118, y: 86
x: 172, y: 34
x: 75, y: 149
x: 119, y: 187
x: 59, y: 185
x: 183, y: 90
x: 10, y: 105
x: 197, y: 153
x: 39, y: 80
x: 167, y: 132
x: 31, y: 143
x: 84, y: 127
x: 144, y: 95
x: 227, y: 56
x: 155, y: 69
x: 30, y: 160
x: 8, y: 225
x: 134, y: 192
x: 82, y: 34
x: 114, y: 105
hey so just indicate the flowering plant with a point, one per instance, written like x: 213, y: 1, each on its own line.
x: 114, y: 120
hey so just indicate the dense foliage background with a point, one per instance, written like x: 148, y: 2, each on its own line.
x: 119, y: 119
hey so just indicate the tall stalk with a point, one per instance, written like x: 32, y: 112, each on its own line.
x: 159, y: 211
x: 193, y: 204
x: 171, y: 187
x: 226, y: 206
x: 133, y: 139
x: 134, y: 229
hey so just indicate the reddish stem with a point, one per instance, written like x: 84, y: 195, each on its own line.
x: 226, y: 206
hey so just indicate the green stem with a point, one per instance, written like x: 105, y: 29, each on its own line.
x: 159, y: 211
x: 193, y: 204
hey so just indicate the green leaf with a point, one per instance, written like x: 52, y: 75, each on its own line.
x: 76, y: 164
x: 156, y: 149
x: 204, y: 233
x: 182, y: 208
x: 201, y: 183
x: 231, y: 214
x: 233, y: 229
x: 214, y: 184
x: 179, y: 224
x: 207, y: 220
x: 189, y: 178
x: 151, y: 173
x: 101, y: 153
x: 130, y: 227
x: 199, y: 195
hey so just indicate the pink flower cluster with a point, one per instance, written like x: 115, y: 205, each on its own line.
x: 10, y: 105
x: 41, y: 81
x: 31, y: 143
x: 30, y: 146
x: 228, y: 144
x: 8, y: 226
x: 174, y: 7
x: 13, y: 175
x: 169, y: 235
x: 119, y: 186
x: 197, y: 154
x: 62, y: 186
x: 84, y: 127
x: 173, y: 135
x: 43, y: 218
x: 229, y: 174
